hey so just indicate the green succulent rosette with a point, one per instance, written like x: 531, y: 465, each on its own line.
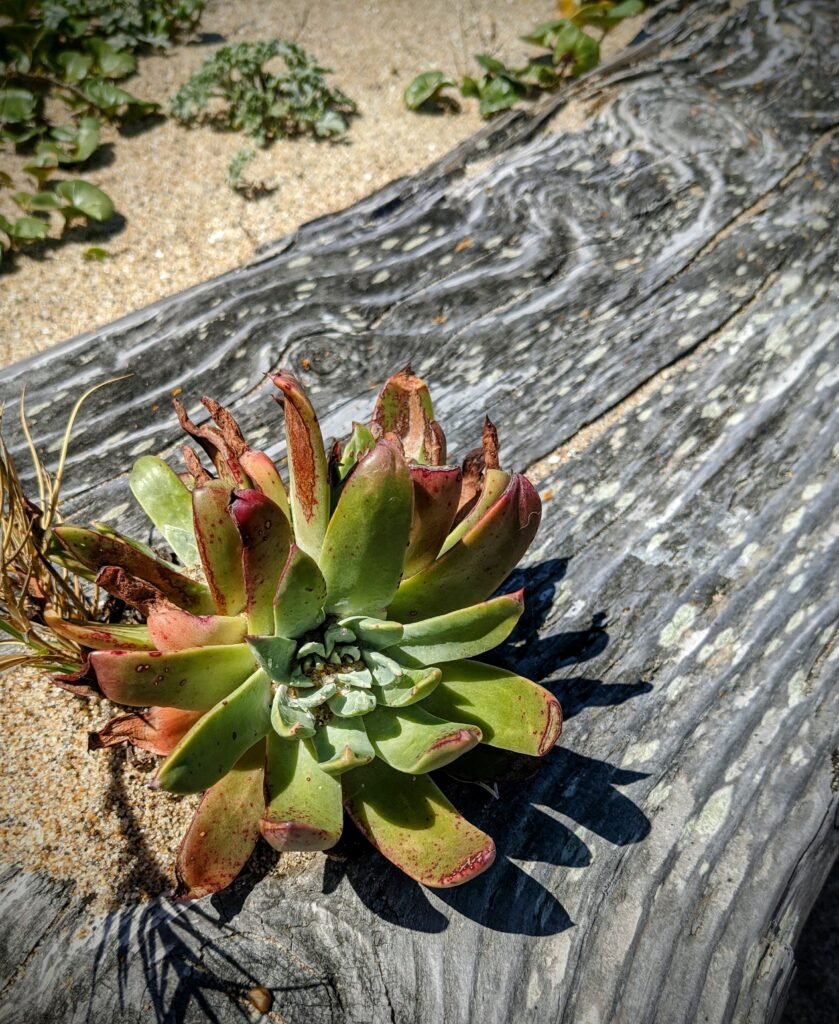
x: 311, y: 648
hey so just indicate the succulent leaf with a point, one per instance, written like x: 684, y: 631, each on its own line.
x: 364, y: 548
x: 360, y: 441
x: 375, y: 634
x: 300, y: 596
x: 414, y: 684
x: 310, y: 496
x: 288, y: 721
x: 351, y: 703
x: 464, y: 633
x: 436, y: 495
x: 266, y: 478
x: 412, y: 740
x: 219, y: 545
x: 173, y: 629
x: 166, y: 500
x: 100, y: 636
x: 218, y: 739
x: 224, y: 829
x: 479, y: 562
x: 494, y: 484
x: 404, y: 408
x: 512, y: 712
x: 266, y: 538
x: 342, y: 744
x: 304, y: 803
x: 158, y: 730
x: 192, y: 680
x: 384, y: 669
x: 274, y: 655
x: 415, y: 826
x: 97, y: 551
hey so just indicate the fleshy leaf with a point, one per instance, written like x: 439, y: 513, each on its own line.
x: 475, y: 465
x: 219, y: 545
x: 436, y: 496
x: 414, y: 741
x: 352, y: 703
x: 287, y: 721
x: 97, y: 550
x: 158, y: 730
x: 266, y: 478
x: 167, y: 502
x: 309, y: 480
x: 479, y: 562
x: 173, y: 629
x: 301, y: 592
x: 413, y: 685
x: 464, y: 633
x: 304, y: 803
x: 495, y: 482
x: 273, y: 654
x: 342, y: 744
x: 360, y: 441
x: 364, y: 548
x: 317, y: 697
x: 512, y: 712
x: 100, y: 636
x: 385, y: 670
x: 375, y: 634
x: 218, y: 739
x: 266, y: 537
x: 193, y: 680
x: 404, y: 408
x: 415, y: 826
x: 224, y: 830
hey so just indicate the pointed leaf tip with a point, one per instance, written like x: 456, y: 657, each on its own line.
x: 404, y: 409
x: 308, y: 472
x: 479, y: 562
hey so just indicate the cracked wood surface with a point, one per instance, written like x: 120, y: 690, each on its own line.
x: 666, y: 275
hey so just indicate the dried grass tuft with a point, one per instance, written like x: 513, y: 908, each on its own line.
x: 34, y: 578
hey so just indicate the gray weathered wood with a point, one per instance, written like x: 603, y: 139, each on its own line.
x: 682, y: 595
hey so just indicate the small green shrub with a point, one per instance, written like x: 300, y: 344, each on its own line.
x: 572, y: 51
x: 234, y: 90
x: 66, y: 55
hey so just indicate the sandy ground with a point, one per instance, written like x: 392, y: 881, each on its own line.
x: 183, y: 224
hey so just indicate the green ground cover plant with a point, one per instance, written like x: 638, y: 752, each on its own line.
x: 237, y: 89
x: 60, y: 61
x: 569, y: 50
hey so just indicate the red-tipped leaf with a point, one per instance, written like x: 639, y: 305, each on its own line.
x: 308, y: 475
x: 479, y: 562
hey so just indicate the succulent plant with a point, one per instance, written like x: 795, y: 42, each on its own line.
x: 311, y: 649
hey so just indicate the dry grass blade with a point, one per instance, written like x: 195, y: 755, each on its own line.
x: 30, y: 582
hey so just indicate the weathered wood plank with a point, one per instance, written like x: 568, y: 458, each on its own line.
x: 683, y: 597
x: 581, y: 245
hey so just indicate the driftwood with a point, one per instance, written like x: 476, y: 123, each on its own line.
x: 658, y: 293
